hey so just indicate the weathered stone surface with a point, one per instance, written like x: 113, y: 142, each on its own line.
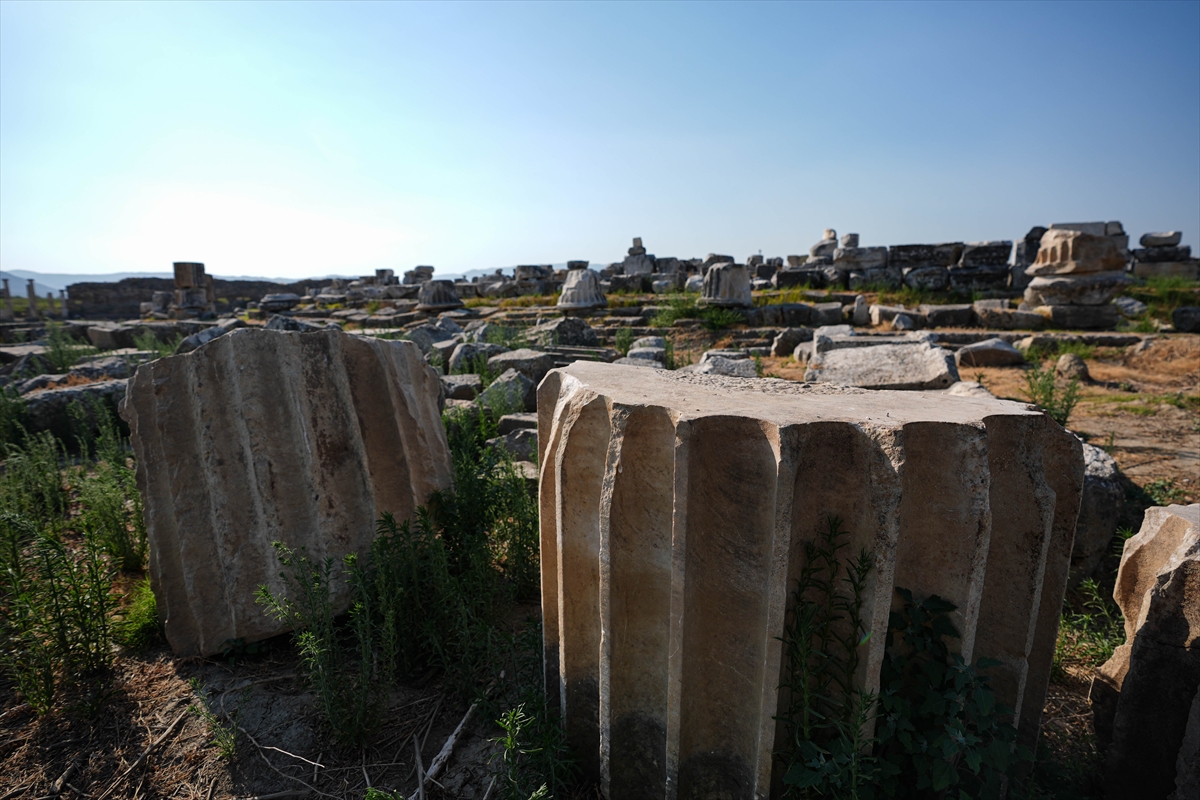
x: 996, y: 314
x: 1130, y: 307
x: 786, y: 340
x: 437, y: 296
x: 989, y: 353
x: 1091, y: 289
x: 892, y: 366
x: 461, y: 387
x: 279, y: 301
x: 694, y: 283
x: 904, y: 322
x: 639, y: 362
x: 1071, y: 252
x: 986, y: 254
x: 581, y: 289
x: 43, y: 381
x: 881, y: 314
x: 925, y: 255
x: 111, y: 336
x: 826, y: 314
x: 520, y: 443
x: 651, y: 353
x: 790, y: 315
x: 964, y: 279
x: 864, y: 279
x: 721, y: 365
x: 46, y: 410
x: 533, y: 364
x: 564, y: 331
x: 1071, y: 367
x: 511, y: 422
x: 674, y: 512
x: 278, y: 322
x: 1174, y: 269
x: 933, y: 279
x: 959, y: 315
x: 190, y: 343
x: 860, y: 312
x: 648, y: 341
x: 969, y: 389
x: 512, y: 391
x: 1150, y: 683
x: 106, y: 368
x: 1159, y: 255
x: 1103, y: 317
x: 466, y: 355
x: 824, y: 248
x: 1186, y: 319
x: 1103, y: 496
x: 860, y: 259
x: 1167, y: 239
x: 727, y: 285
x: 260, y: 437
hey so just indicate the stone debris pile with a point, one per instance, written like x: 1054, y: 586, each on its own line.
x: 194, y: 295
x: 1162, y: 256
x: 674, y: 513
x: 1077, y: 273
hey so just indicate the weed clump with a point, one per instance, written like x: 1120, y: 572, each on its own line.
x: 1042, y: 389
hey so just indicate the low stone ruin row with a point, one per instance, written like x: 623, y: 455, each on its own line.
x: 674, y: 509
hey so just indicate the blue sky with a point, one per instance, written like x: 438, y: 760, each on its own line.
x: 290, y: 140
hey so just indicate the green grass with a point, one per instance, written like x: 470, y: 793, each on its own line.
x: 1059, y: 348
x: 1090, y: 629
x: 687, y: 307
x: 1042, y: 389
x: 137, y: 625
x: 149, y: 342
x: 62, y: 350
x: 1164, y: 492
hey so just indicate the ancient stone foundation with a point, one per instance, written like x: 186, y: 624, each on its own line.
x: 260, y: 436
x: 674, y: 510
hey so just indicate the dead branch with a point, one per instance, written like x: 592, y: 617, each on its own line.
x: 145, y: 753
x: 439, y: 761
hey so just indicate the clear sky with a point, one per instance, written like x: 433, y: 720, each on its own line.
x: 298, y: 139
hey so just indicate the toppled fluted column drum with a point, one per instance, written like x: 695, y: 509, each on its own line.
x: 674, y: 512
x: 261, y: 436
x: 438, y: 296
x: 581, y: 289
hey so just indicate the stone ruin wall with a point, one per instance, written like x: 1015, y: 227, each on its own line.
x: 123, y: 299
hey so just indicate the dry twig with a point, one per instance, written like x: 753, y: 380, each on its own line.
x: 145, y: 753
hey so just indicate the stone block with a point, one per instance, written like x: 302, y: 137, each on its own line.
x: 1090, y: 228
x: 925, y: 255
x: 1070, y: 252
x: 890, y: 366
x: 881, y: 314
x: 1189, y: 270
x: 796, y: 261
x: 262, y: 436
x: 189, y: 275
x: 1103, y: 497
x: 947, y: 316
x: 786, y: 340
x: 791, y: 277
x: 462, y: 387
x: 784, y: 314
x: 888, y: 277
x: 722, y: 365
x: 533, y: 364
x: 986, y: 254
x: 111, y: 336
x: 511, y: 422
x: 1162, y: 255
x: 466, y: 355
x: 565, y: 331
x: 437, y: 296
x: 1142, y: 697
x: 826, y: 314
x: 651, y: 353
x: 674, y: 513
x: 1092, y: 318
x: 823, y: 249
x: 997, y: 315
x: 1186, y: 319
x: 967, y: 279
x: 512, y: 391
x: 860, y: 259
x: 1089, y: 289
x: 933, y: 279
x: 726, y: 285
x: 989, y: 353
x: 1166, y: 239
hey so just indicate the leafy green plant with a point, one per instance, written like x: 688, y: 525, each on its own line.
x: 31, y: 483
x: 678, y: 307
x: 148, y: 341
x: 62, y: 350
x: 623, y: 340
x: 1090, y: 629
x: 827, y: 754
x: 12, y: 417
x: 517, y: 783
x: 716, y: 319
x: 57, y: 626
x: 1042, y: 389
x: 224, y: 734
x: 138, y: 628
x: 940, y: 730
x: 669, y: 355
x: 1164, y: 492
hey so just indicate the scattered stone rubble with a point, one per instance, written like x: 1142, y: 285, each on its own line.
x: 674, y: 508
x: 262, y: 436
x: 1144, y: 698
